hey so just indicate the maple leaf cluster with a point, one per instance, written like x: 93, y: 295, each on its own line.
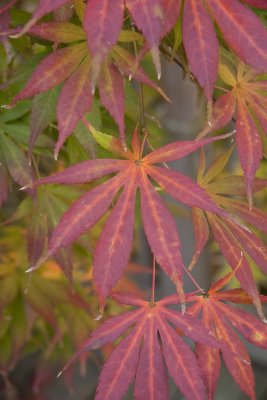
x: 95, y: 45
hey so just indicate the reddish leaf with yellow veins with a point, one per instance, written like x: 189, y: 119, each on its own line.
x: 160, y: 228
x: 53, y: 70
x: 143, y: 353
x: 74, y: 101
x: 221, y: 318
x: 102, y: 24
x: 109, y: 264
x: 114, y: 245
x: 171, y: 10
x: 201, y: 45
x: 148, y: 17
x: 111, y: 90
x: 249, y: 146
x: 247, y: 36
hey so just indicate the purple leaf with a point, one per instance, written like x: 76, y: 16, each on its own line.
x: 111, y: 90
x: 74, y: 101
x: 102, y: 23
x: 84, y: 213
x: 201, y: 45
x: 114, y: 244
x: 54, y: 69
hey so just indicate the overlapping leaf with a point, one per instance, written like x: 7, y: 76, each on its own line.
x: 12, y: 156
x: 247, y: 36
x: 221, y: 318
x: 73, y: 64
x: 114, y: 245
x: 141, y: 355
x: 247, y: 96
x: 103, y: 22
x: 44, y: 7
x: 232, y: 235
x: 42, y: 114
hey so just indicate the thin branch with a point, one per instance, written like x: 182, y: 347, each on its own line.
x: 153, y: 282
x: 140, y: 90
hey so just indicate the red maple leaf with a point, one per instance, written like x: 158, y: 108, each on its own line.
x: 221, y: 318
x: 246, y: 36
x: 103, y: 21
x: 73, y: 64
x: 232, y: 235
x: 143, y: 353
x: 114, y: 244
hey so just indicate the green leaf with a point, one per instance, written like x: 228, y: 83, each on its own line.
x: 16, y: 112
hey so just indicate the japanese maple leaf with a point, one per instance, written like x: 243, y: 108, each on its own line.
x: 246, y: 36
x: 144, y: 351
x: 114, y: 244
x: 221, y: 318
x: 232, y: 235
x: 248, y: 98
x: 103, y: 21
x: 240, y: 27
x: 72, y: 64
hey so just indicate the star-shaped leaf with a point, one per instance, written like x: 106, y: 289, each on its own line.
x: 143, y: 353
x: 114, y: 244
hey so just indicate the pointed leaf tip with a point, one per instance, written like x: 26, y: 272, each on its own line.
x: 38, y: 263
x: 28, y: 186
x: 99, y: 316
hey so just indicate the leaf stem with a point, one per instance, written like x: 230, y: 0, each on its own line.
x: 221, y: 88
x: 193, y: 280
x: 143, y: 142
x: 153, y: 282
x: 140, y: 91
